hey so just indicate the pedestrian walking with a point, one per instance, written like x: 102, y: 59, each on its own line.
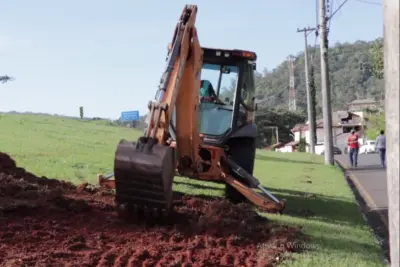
x: 380, y: 145
x: 354, y: 146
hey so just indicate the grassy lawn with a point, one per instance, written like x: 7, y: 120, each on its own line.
x: 318, y: 197
x: 62, y: 148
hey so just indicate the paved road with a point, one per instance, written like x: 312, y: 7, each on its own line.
x: 370, y: 179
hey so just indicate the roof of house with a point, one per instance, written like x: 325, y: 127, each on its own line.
x: 363, y: 101
x: 295, y: 143
x: 337, y: 116
x: 342, y: 114
x: 277, y: 145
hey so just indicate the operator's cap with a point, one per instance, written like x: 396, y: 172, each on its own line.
x: 353, y: 131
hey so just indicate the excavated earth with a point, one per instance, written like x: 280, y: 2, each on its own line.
x: 47, y: 222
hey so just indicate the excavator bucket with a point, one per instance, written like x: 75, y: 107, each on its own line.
x: 143, y: 174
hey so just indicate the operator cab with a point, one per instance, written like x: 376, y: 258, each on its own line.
x: 226, y: 93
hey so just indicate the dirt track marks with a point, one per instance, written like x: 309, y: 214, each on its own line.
x: 45, y: 222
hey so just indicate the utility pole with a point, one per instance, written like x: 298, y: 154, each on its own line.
x: 326, y: 92
x: 277, y: 134
x: 313, y: 98
x: 292, y: 94
x: 310, y: 110
x: 392, y: 98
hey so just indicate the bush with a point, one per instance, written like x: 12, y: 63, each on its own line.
x: 302, y: 145
x: 376, y: 124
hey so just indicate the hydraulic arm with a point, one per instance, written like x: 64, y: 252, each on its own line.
x: 144, y: 170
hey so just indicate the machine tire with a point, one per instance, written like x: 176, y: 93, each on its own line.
x: 242, y: 151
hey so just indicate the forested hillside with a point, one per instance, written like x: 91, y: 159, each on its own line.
x: 351, y: 75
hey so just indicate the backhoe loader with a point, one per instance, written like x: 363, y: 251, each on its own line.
x: 201, y: 126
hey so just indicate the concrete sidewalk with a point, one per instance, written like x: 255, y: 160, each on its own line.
x: 369, y: 180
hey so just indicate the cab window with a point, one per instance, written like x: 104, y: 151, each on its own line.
x: 218, y: 84
x: 247, y: 91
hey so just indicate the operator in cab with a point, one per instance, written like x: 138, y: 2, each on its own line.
x: 207, y: 93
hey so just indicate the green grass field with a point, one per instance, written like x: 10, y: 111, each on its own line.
x: 318, y: 197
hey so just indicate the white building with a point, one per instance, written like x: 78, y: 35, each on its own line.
x: 342, y: 124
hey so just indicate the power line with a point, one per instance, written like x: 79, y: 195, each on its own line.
x: 316, y: 31
x: 369, y: 2
x: 271, y: 96
x: 334, y: 13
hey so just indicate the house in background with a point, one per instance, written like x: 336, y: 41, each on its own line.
x: 342, y: 124
x: 363, y: 104
x: 290, y: 147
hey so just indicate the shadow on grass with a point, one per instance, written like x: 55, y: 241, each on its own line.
x: 275, y: 159
x: 306, y: 205
x: 319, y: 207
x: 198, y: 186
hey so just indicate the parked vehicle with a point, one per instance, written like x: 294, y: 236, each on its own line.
x: 368, y: 147
x: 320, y: 149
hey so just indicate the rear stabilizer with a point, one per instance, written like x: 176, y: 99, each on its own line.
x: 266, y: 202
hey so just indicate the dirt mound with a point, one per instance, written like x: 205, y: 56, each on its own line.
x: 8, y: 166
x: 61, y: 225
x: 21, y: 190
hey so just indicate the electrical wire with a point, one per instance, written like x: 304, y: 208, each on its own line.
x: 369, y: 2
x: 316, y: 33
x: 337, y: 9
x: 271, y: 96
x: 328, y: 18
x: 316, y: 11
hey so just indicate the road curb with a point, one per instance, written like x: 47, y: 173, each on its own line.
x: 372, y: 217
x: 363, y: 192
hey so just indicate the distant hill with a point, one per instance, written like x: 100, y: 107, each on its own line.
x: 351, y: 78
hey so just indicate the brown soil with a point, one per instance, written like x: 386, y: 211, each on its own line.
x: 46, y: 222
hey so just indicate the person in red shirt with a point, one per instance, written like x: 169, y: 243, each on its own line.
x: 352, y: 141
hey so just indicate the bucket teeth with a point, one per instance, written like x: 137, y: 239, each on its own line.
x: 143, y: 181
x: 134, y: 214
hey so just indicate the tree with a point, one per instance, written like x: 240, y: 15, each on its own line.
x: 81, y: 112
x: 302, y: 145
x: 377, y: 58
x: 5, y: 78
x: 351, y: 77
x: 228, y: 92
x: 376, y: 123
x: 283, y: 119
x: 273, y: 140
